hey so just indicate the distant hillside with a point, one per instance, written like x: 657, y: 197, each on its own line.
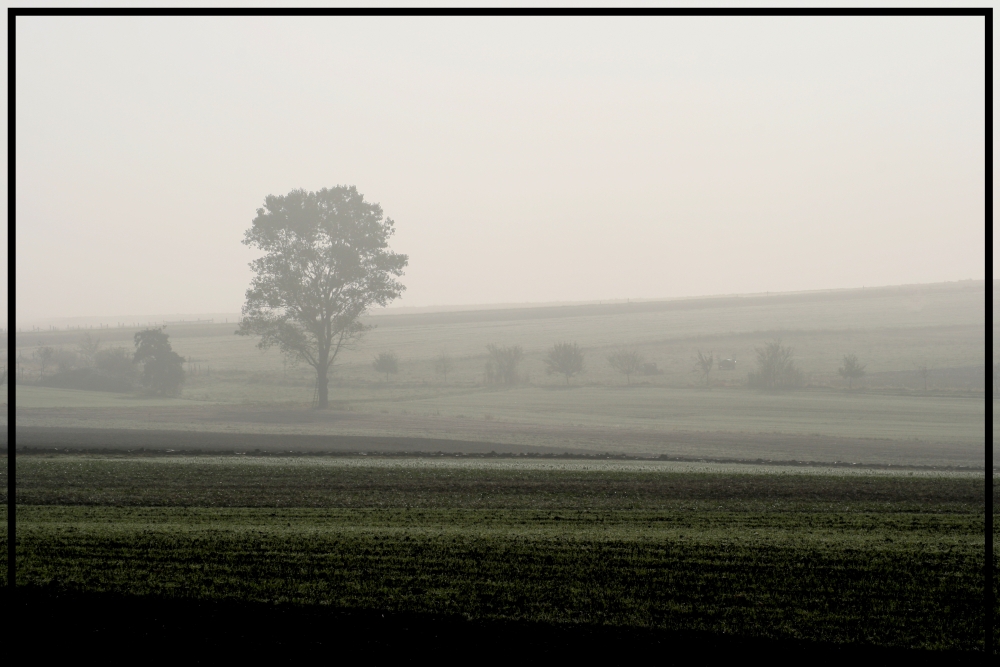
x: 968, y: 296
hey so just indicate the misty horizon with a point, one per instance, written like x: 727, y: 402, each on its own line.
x: 141, y: 319
x: 523, y: 160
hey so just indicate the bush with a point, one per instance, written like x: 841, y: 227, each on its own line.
x: 116, y: 362
x: 775, y: 368
x: 65, y: 360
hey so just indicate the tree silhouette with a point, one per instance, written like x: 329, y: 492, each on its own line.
x: 626, y: 361
x: 923, y: 371
x: 775, y: 368
x: 326, y: 263
x: 386, y: 362
x: 705, y: 364
x: 851, y: 369
x: 564, y: 359
x: 501, y: 367
x: 442, y: 365
x: 162, y: 368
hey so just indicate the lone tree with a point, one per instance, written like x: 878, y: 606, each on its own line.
x: 386, y: 362
x: 501, y: 368
x: 627, y: 362
x: 564, y: 359
x: 775, y: 368
x: 442, y: 365
x: 162, y: 368
x: 852, y: 369
x: 326, y: 263
x: 704, y: 365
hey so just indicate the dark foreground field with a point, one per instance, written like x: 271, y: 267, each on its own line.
x: 118, y: 627
x: 498, y: 556
x: 520, y: 556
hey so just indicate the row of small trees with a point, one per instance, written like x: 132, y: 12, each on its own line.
x: 776, y: 368
x: 153, y: 365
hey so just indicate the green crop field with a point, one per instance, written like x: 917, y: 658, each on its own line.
x: 865, y: 557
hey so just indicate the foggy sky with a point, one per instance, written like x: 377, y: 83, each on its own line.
x: 523, y: 159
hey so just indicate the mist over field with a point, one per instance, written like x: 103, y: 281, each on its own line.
x: 552, y: 333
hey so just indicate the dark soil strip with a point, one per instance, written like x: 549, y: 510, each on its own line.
x: 123, y: 628
x: 42, y: 440
x: 120, y: 441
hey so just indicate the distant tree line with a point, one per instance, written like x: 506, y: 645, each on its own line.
x: 153, y: 366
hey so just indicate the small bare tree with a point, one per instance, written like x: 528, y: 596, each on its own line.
x: 442, y: 365
x: 627, y: 362
x: 704, y: 364
x: 851, y: 370
x: 386, y: 362
x: 564, y: 359
x: 923, y: 371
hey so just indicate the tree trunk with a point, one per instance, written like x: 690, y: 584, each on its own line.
x: 321, y: 385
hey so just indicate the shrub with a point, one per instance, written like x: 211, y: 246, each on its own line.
x: 116, y: 362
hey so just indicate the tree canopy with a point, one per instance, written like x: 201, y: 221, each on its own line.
x: 775, y: 368
x: 565, y: 359
x: 852, y: 369
x: 162, y: 368
x: 386, y: 362
x: 627, y: 362
x: 326, y: 262
x: 501, y: 367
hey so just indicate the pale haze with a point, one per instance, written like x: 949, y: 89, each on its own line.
x: 522, y: 159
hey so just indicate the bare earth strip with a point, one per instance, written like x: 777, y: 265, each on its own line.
x: 365, y: 433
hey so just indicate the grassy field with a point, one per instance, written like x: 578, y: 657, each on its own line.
x: 232, y: 386
x: 822, y: 555
x: 891, y: 329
